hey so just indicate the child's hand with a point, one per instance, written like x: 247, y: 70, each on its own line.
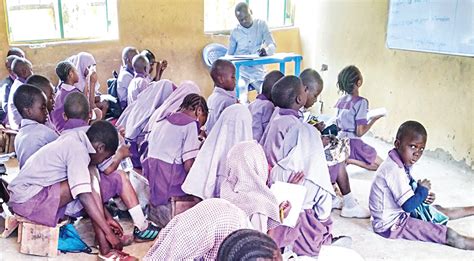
x: 121, y: 131
x: 93, y: 78
x: 163, y: 65
x: 123, y: 151
x: 114, y: 241
x: 262, y: 52
x: 115, y: 226
x: 285, y: 206
x: 431, y: 198
x: 425, y: 183
x: 296, y: 178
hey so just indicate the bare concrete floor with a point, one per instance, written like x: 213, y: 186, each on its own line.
x: 453, y: 186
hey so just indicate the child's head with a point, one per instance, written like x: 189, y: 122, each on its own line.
x: 349, y: 79
x: 31, y: 103
x: 127, y: 56
x: 270, y: 79
x: 195, y: 103
x: 244, y: 14
x: 76, y: 106
x: 22, y: 68
x: 314, y: 83
x: 45, y: 85
x: 248, y: 244
x: 9, y: 62
x: 104, y: 138
x: 140, y: 64
x: 151, y: 59
x: 67, y: 72
x: 16, y: 51
x: 289, y: 93
x: 410, y: 142
x: 223, y: 74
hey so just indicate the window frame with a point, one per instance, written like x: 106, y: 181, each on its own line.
x: 271, y: 28
x: 38, y: 43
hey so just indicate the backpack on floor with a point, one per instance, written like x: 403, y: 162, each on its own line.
x: 115, y: 110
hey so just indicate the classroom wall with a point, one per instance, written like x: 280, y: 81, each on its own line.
x: 435, y: 89
x: 172, y: 29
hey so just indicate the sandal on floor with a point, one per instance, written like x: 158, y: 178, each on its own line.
x: 149, y: 234
x: 11, y: 224
x: 116, y: 255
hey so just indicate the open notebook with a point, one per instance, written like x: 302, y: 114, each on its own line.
x: 295, y: 194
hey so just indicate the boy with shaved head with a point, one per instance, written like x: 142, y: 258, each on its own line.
x: 126, y: 74
x: 22, y: 69
x: 140, y: 82
x: 223, y: 76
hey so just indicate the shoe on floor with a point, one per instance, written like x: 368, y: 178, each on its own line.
x: 342, y: 241
x: 149, y: 234
x: 337, y: 203
x: 116, y: 255
x: 357, y: 211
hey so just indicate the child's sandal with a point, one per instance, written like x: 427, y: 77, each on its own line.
x: 116, y: 255
x: 149, y: 234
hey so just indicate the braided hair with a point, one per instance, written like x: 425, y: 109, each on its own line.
x: 193, y: 101
x: 348, y: 78
x: 247, y: 244
x: 62, y: 70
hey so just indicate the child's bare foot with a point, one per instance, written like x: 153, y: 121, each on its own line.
x: 459, y: 241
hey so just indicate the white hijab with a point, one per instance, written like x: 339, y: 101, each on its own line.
x: 208, y: 171
x: 146, y: 103
x: 303, y: 150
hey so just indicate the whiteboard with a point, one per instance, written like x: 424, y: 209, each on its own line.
x: 439, y: 26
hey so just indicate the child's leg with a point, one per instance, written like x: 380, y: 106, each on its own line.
x: 456, y: 212
x: 350, y: 206
x: 459, y: 241
x: 371, y: 167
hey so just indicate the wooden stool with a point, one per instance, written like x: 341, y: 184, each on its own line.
x: 10, y: 139
x: 182, y: 203
x: 36, y: 239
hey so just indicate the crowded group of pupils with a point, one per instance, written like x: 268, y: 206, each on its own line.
x: 223, y: 154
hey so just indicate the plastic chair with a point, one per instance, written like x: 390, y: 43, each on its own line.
x: 212, y: 52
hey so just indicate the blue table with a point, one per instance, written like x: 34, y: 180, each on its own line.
x: 281, y: 58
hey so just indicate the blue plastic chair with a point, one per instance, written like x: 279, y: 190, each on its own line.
x: 212, y: 52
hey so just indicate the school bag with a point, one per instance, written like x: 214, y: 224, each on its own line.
x: 427, y: 212
x: 70, y: 242
x: 115, y: 110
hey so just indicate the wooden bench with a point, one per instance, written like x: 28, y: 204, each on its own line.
x: 36, y: 239
x: 9, y: 139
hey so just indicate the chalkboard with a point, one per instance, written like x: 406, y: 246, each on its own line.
x: 439, y: 26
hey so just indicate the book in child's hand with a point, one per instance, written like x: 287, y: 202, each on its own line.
x: 376, y: 112
x: 293, y: 193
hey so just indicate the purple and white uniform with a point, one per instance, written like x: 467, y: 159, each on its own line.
x: 261, y: 109
x: 123, y: 81
x: 35, y: 192
x: 390, y: 190
x: 57, y: 115
x: 172, y: 141
x: 281, y: 122
x: 110, y: 184
x: 30, y: 138
x: 217, y: 102
x: 136, y: 86
x: 352, y: 112
x: 14, y: 117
